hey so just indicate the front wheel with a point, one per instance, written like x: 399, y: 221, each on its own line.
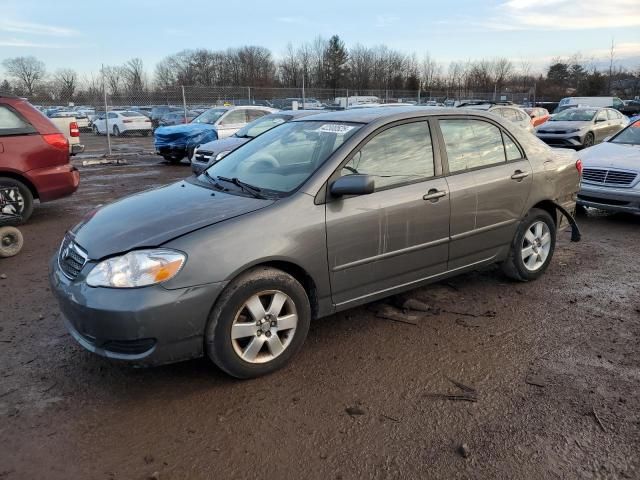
x: 532, y: 247
x: 259, y: 323
x: 588, y: 141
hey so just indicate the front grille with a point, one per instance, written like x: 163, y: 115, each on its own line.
x: 71, y: 258
x: 554, y: 132
x: 608, y: 177
x: 203, y: 156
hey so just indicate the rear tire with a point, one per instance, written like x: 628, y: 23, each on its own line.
x: 250, y: 342
x: 116, y: 131
x: 11, y: 242
x: 173, y: 159
x: 25, y: 198
x: 532, y: 247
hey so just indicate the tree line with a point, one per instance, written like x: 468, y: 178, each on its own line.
x: 323, y: 63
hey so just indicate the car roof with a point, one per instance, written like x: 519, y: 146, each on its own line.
x: 370, y: 115
x: 295, y: 113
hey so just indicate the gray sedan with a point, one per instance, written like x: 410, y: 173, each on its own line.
x: 211, y: 152
x: 611, y: 175
x: 315, y: 216
x: 581, y: 127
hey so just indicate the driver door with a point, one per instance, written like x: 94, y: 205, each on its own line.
x: 398, y: 235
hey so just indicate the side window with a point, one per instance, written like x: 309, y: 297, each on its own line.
x: 471, y: 144
x: 395, y: 156
x: 113, y: 115
x: 12, y: 124
x: 255, y: 114
x: 612, y: 114
x: 617, y: 103
x: 511, y: 150
x: 235, y: 117
x: 602, y: 115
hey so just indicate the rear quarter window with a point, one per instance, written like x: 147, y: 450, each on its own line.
x: 12, y: 123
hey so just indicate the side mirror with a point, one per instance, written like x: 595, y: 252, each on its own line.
x: 353, y: 185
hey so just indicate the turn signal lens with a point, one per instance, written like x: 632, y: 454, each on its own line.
x: 579, y: 166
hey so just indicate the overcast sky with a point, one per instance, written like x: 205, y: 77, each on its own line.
x: 82, y: 34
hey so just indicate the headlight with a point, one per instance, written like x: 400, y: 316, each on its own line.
x: 222, y: 154
x: 138, y: 268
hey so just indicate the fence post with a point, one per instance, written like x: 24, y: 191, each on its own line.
x: 249, y: 94
x: 347, y: 107
x: 184, y: 104
x: 106, y: 113
x: 418, y: 96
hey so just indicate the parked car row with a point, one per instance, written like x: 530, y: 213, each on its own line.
x: 121, y: 122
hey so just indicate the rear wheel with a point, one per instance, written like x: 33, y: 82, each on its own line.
x: 588, y: 141
x: 259, y: 323
x: 145, y: 133
x: 172, y: 158
x: 21, y: 201
x: 532, y: 247
x: 11, y: 241
x: 95, y: 130
x: 116, y: 131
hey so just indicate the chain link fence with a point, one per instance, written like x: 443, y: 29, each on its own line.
x: 186, y: 102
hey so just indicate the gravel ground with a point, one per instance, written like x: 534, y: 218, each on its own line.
x: 494, y: 380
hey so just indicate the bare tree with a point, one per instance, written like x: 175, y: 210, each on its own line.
x: 65, y: 83
x: 133, y: 73
x: 612, y: 54
x: 28, y: 72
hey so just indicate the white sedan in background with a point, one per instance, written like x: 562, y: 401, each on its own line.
x: 122, y: 122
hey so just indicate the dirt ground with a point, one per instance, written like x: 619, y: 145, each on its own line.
x: 537, y: 380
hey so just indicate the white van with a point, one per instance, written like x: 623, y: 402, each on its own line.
x: 601, y: 102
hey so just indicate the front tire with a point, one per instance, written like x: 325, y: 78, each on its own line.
x: 259, y: 323
x: 532, y: 247
x: 23, y: 200
x: 588, y: 141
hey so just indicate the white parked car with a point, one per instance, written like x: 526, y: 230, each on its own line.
x: 122, y: 122
x: 514, y: 114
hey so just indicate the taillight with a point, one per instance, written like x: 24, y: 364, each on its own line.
x: 74, y: 131
x: 57, y: 140
x: 127, y: 121
x: 579, y: 166
x: 148, y: 121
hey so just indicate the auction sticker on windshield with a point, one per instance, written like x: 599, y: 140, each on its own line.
x: 335, y: 128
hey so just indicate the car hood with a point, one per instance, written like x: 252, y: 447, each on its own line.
x: 549, y: 126
x: 153, y: 217
x: 608, y: 155
x: 189, y: 134
x: 224, y: 145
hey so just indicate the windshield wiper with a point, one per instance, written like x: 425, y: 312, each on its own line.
x: 247, y: 187
x: 213, y: 181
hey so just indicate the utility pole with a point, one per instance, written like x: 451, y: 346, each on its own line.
x: 106, y: 112
x: 611, y: 55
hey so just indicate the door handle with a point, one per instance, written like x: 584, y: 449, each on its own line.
x: 519, y: 175
x: 433, y: 195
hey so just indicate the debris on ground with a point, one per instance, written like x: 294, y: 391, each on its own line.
x: 105, y: 161
x: 3, y: 276
x: 595, y: 415
x: 354, y: 411
x: 391, y: 313
x: 464, y: 450
x: 469, y: 394
x: 535, y: 380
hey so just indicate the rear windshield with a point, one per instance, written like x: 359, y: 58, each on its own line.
x: 131, y: 114
x: 210, y: 116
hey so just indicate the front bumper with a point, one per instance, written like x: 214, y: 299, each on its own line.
x: 172, y: 150
x: 144, y: 326
x: 571, y: 140
x: 609, y: 198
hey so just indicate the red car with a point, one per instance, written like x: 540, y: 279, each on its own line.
x: 34, y: 156
x: 538, y: 115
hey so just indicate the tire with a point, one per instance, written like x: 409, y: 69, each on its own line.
x: 116, y: 131
x: 522, y: 267
x: 11, y: 241
x: 588, y: 141
x: 190, y: 151
x: 145, y: 133
x: 96, y: 131
x: 286, y: 331
x: 25, y: 198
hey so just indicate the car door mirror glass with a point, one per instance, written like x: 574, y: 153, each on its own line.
x: 353, y: 185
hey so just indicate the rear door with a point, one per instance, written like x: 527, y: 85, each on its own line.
x: 397, y: 235
x: 489, y: 180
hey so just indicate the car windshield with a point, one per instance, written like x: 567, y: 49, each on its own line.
x: 575, y: 115
x: 210, y: 116
x: 630, y: 135
x: 261, y: 125
x: 282, y: 159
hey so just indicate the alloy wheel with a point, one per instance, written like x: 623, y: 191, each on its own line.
x: 536, y: 245
x: 264, y: 326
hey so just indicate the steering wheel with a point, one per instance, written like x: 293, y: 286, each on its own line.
x: 351, y: 169
x: 263, y: 158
